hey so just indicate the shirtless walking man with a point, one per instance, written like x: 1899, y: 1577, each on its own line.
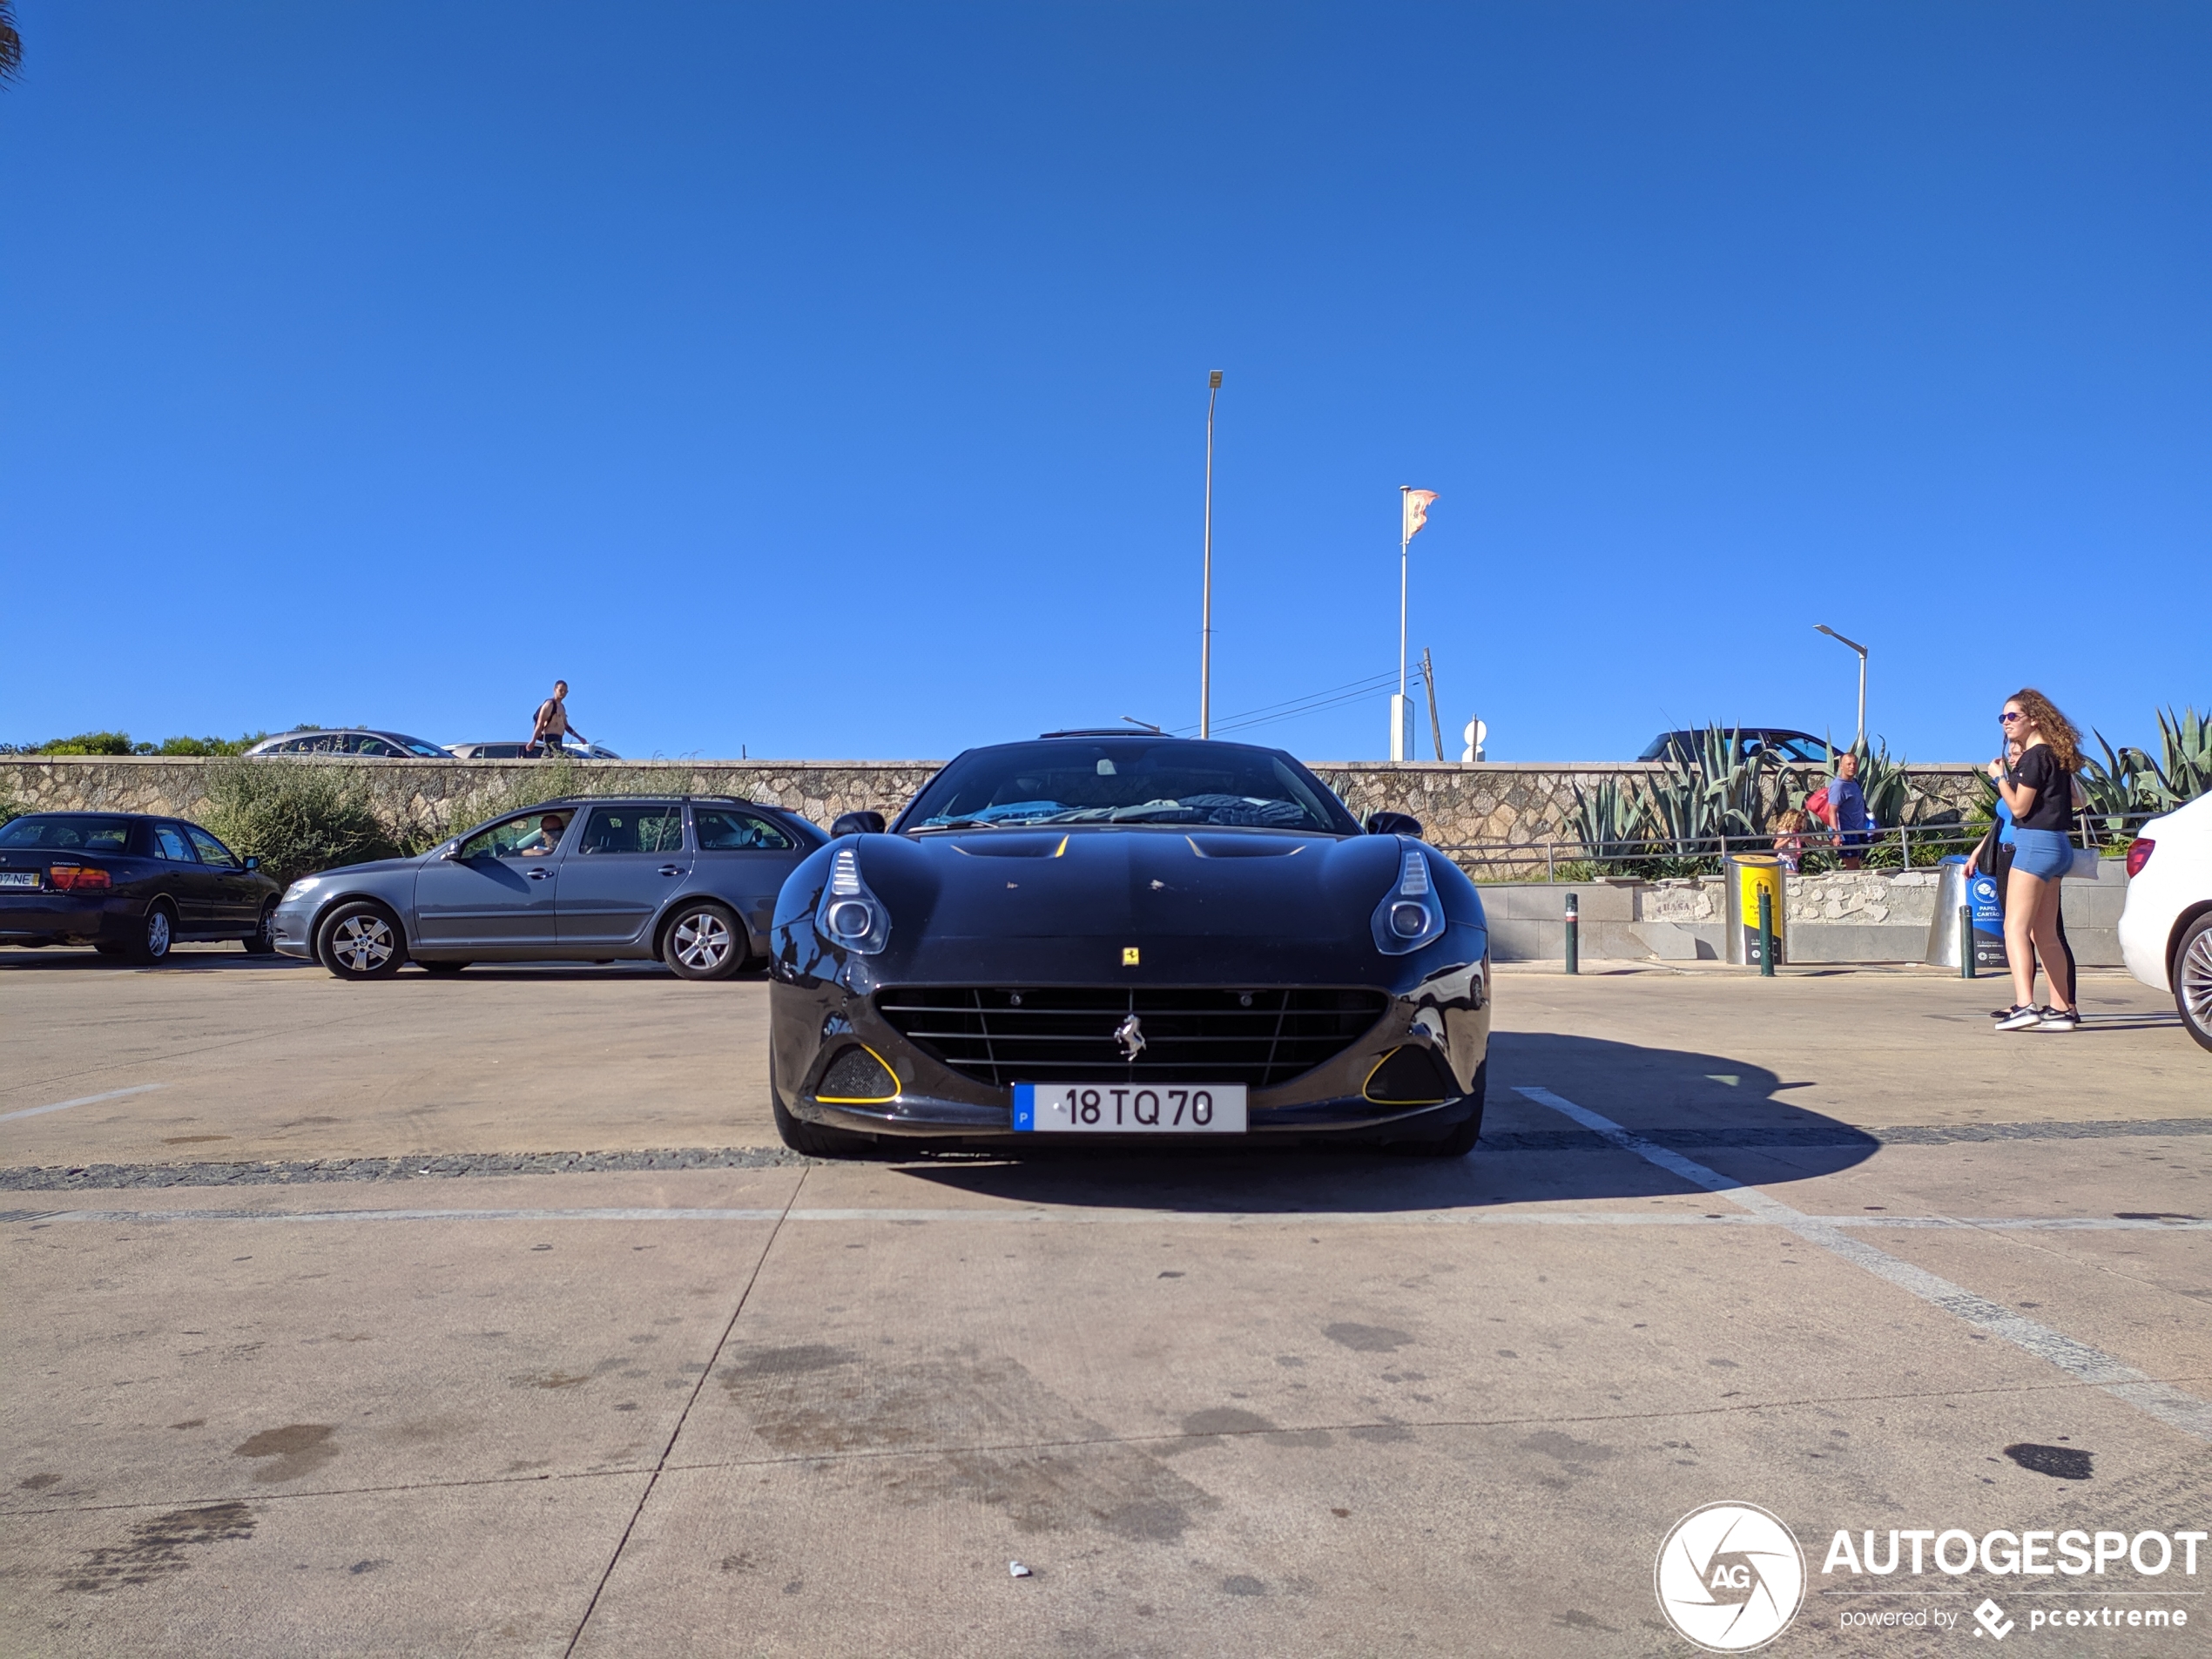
x: 552, y: 724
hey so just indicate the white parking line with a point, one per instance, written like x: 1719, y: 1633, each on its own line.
x: 2167, y: 1404
x: 1074, y: 1216
x: 82, y: 1100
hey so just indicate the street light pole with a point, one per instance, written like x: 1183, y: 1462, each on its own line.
x: 1206, y: 612
x: 1822, y: 628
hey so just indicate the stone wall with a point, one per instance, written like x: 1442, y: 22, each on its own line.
x: 1490, y: 803
x: 1841, y: 916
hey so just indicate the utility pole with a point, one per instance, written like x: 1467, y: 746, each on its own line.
x: 1428, y: 678
x: 1205, y: 611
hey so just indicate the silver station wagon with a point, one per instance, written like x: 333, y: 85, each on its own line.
x: 689, y: 879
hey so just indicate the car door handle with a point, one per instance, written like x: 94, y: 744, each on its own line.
x: 541, y: 875
x: 671, y: 869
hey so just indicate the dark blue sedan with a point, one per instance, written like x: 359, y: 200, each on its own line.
x: 691, y: 880
x: 131, y: 884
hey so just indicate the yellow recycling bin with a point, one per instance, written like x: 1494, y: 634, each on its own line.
x: 1748, y: 875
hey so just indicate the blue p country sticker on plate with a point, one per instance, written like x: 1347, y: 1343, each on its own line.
x: 1025, y: 1107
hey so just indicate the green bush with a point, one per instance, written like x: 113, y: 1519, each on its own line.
x: 87, y: 743
x: 119, y: 743
x: 202, y: 746
x: 298, y: 817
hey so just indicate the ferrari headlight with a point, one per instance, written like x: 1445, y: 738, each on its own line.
x: 849, y: 916
x: 1410, y: 914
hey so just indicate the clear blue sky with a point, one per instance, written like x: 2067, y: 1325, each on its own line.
x: 831, y: 380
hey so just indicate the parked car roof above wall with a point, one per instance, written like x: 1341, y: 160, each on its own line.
x: 350, y: 740
x: 1792, y: 744
x: 512, y: 751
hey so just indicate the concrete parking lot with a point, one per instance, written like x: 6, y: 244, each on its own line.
x: 486, y: 1316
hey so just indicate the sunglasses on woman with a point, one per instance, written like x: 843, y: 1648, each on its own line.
x: 2009, y: 716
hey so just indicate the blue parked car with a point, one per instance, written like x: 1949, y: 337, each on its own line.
x: 691, y: 880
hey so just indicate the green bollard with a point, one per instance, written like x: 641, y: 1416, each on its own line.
x: 1573, y: 945
x: 1965, y: 941
x: 1766, y: 934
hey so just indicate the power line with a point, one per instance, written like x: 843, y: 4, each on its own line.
x: 1310, y: 703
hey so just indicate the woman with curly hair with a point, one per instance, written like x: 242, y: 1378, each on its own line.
x: 2039, y: 792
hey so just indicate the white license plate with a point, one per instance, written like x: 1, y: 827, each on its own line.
x: 1121, y: 1109
x: 18, y: 878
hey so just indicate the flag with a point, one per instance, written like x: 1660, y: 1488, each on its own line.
x: 1417, y: 506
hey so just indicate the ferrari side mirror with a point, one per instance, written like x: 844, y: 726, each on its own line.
x: 1393, y: 823
x: 857, y: 824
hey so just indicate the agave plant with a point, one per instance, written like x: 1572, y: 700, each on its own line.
x: 1719, y: 791
x: 2184, y: 770
x: 2131, y: 780
x: 1608, y: 817
x: 2114, y: 788
x: 1891, y: 796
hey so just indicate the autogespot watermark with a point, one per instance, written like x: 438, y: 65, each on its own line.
x: 1731, y: 1577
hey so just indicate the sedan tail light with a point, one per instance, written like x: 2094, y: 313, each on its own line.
x: 2139, y: 854
x: 77, y: 878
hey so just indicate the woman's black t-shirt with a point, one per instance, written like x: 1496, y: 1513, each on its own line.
x: 2039, y: 770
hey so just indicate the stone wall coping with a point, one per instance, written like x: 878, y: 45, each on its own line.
x: 1474, y: 768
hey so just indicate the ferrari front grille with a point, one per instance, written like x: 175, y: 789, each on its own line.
x: 1084, y: 1034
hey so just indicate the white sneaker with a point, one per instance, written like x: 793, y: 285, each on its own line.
x: 2022, y: 1017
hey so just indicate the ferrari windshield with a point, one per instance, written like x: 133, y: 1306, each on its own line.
x: 1127, y: 780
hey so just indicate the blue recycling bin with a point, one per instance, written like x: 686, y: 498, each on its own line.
x: 1978, y: 893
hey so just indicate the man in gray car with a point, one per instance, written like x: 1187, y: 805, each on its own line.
x: 549, y: 828
x: 552, y: 723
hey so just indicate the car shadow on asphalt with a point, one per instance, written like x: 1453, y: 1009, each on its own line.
x: 220, y: 959
x: 67, y: 959
x: 1730, y: 1114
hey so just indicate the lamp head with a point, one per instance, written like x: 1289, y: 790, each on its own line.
x: 1213, y: 380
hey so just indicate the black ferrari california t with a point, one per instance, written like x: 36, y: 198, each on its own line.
x: 1129, y: 936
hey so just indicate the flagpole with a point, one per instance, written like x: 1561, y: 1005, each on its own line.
x: 1404, y: 540
x: 1205, y: 613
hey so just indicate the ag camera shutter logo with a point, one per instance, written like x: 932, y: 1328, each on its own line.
x: 1729, y: 1577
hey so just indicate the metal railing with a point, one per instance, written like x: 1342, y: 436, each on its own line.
x: 1893, y: 847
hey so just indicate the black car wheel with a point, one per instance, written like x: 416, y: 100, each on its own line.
x: 443, y: 970
x: 2192, y: 978
x: 816, y: 1140
x: 157, y: 931
x: 1461, y: 1141
x: 262, y: 940
x: 702, y: 941
x: 361, y: 941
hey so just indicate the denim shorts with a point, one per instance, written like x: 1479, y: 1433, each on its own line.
x: 2047, y: 853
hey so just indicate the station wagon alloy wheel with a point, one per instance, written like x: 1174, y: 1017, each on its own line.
x: 361, y: 942
x: 703, y: 943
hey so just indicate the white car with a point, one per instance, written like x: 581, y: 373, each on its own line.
x: 2166, y: 930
